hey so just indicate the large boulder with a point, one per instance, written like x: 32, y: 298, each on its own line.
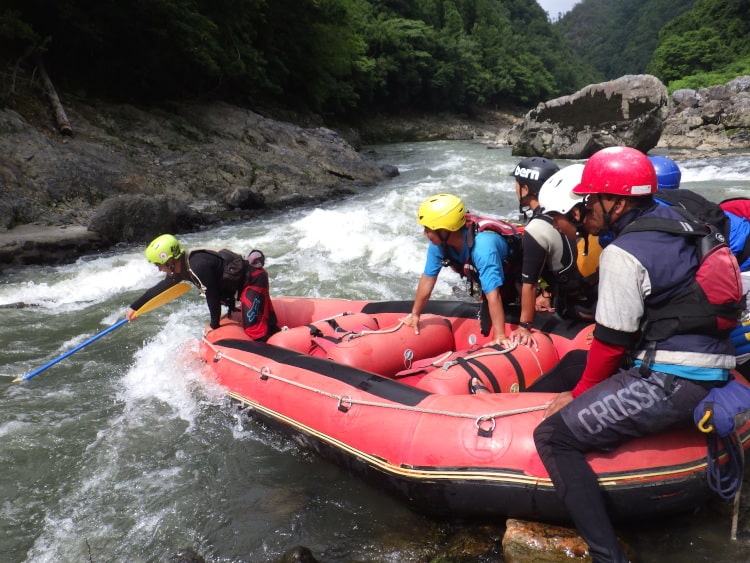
x: 629, y: 111
x: 137, y: 218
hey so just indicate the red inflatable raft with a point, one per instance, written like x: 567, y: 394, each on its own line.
x: 351, y: 382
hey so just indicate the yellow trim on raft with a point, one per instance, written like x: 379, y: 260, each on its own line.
x: 490, y: 475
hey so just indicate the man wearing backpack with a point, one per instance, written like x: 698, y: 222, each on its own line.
x: 202, y: 268
x: 641, y: 271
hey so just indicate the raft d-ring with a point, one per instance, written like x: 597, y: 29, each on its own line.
x: 265, y: 371
x: 217, y: 357
x: 408, y: 357
x: 485, y: 432
x: 702, y: 426
x: 345, y: 403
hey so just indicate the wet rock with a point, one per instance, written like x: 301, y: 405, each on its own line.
x: 187, y: 555
x: 42, y: 244
x: 534, y: 542
x: 131, y: 172
x: 136, y: 218
x: 710, y: 119
x: 299, y: 554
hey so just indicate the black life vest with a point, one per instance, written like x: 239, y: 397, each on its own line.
x: 712, y: 303
x: 233, y: 278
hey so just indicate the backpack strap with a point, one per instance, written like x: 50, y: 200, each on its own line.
x: 690, y: 228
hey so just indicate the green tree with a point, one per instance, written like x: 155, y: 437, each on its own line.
x: 714, y: 35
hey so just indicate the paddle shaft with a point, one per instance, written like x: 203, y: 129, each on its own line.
x: 69, y: 352
x: 153, y: 303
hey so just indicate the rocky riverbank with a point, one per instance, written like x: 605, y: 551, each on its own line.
x: 128, y: 173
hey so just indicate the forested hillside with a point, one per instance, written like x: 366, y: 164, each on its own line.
x: 349, y: 57
x: 330, y: 56
x: 686, y: 43
x: 708, y: 45
x: 618, y: 37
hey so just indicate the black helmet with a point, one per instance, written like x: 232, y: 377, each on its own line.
x: 533, y: 172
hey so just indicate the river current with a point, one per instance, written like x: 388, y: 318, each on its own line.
x: 124, y: 452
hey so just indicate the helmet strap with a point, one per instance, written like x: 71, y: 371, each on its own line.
x: 578, y: 223
x: 606, y: 215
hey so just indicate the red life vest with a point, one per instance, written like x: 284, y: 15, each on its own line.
x: 258, y: 316
x: 511, y: 265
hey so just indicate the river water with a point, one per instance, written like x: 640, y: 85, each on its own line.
x: 123, y: 451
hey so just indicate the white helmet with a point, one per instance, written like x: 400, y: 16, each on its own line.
x: 557, y: 192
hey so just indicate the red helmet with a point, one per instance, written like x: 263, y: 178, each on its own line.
x: 618, y: 171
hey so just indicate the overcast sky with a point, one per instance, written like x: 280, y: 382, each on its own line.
x: 554, y: 7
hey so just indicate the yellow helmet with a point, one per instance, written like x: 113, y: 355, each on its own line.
x: 162, y: 248
x: 443, y: 211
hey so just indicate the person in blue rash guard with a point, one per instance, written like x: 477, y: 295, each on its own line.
x: 444, y: 220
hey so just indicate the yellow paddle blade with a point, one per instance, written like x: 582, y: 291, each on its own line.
x: 163, y: 298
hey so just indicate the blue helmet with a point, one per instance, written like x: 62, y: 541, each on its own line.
x: 668, y: 174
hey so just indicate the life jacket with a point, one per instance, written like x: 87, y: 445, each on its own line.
x: 573, y: 295
x: 234, y: 275
x: 711, y: 304
x: 587, y: 262
x: 258, y: 316
x: 511, y: 265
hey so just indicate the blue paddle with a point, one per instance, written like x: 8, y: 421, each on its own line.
x: 161, y: 299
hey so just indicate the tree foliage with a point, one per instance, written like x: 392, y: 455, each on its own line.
x: 325, y: 55
x: 339, y: 56
x: 708, y: 43
x: 618, y: 37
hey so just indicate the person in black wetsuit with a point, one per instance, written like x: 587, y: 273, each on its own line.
x: 202, y: 268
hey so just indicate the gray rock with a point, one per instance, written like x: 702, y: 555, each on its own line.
x: 712, y: 119
x: 130, y: 173
x: 629, y: 111
x: 137, y: 218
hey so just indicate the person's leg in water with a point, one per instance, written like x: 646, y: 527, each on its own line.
x: 578, y: 487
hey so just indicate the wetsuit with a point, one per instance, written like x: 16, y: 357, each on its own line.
x: 551, y: 256
x: 205, y: 270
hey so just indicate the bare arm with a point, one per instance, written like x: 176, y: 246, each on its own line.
x: 523, y: 335
x: 497, y: 314
x: 424, y: 290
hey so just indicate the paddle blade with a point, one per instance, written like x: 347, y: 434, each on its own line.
x: 163, y: 298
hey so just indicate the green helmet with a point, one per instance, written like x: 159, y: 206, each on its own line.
x: 162, y: 248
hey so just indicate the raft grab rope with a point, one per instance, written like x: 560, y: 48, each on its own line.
x: 345, y: 402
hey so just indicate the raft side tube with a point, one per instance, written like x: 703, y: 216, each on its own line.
x: 301, y: 338
x: 372, y: 383
x: 393, y: 349
x: 501, y: 371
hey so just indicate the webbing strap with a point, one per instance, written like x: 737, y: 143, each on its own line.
x: 466, y: 364
x: 519, y: 372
